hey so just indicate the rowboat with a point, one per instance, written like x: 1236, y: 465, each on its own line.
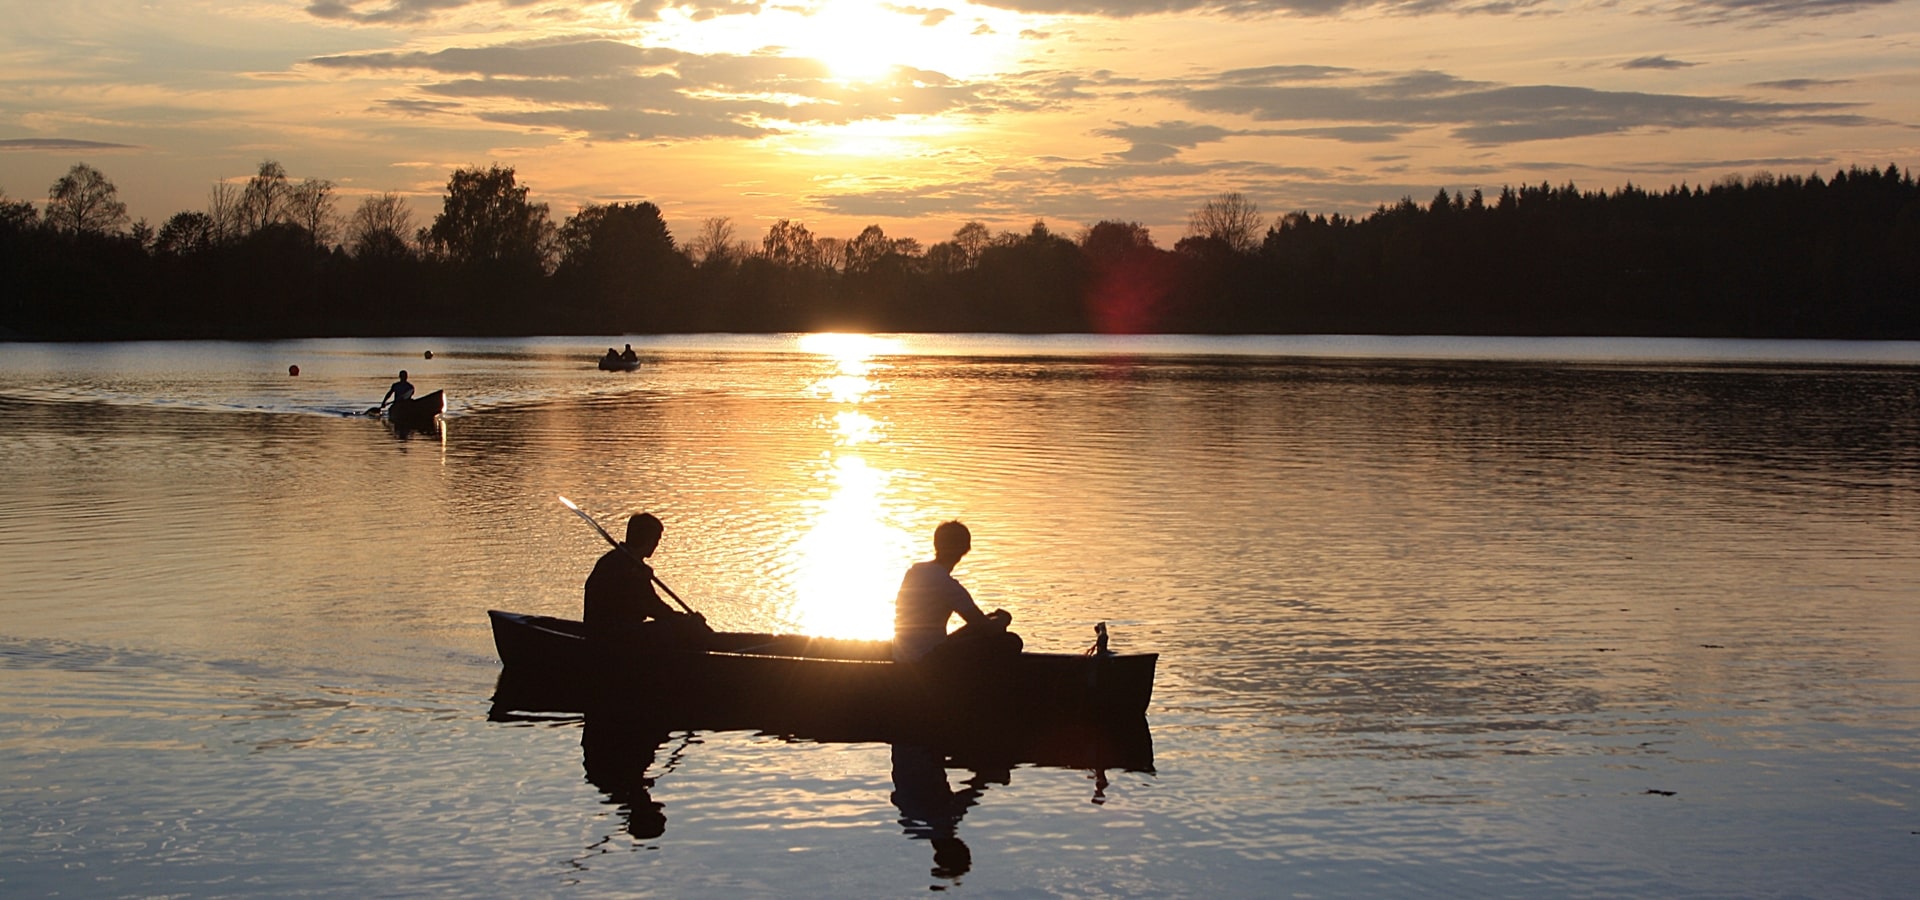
x: 618, y: 364
x: 417, y: 412
x: 824, y: 684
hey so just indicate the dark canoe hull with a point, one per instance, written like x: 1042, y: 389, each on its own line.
x: 799, y: 684
x: 419, y: 411
x: 618, y: 365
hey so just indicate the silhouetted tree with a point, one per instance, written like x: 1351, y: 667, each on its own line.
x: 381, y: 228
x: 488, y: 219
x: 83, y: 201
x: 1230, y: 218
x: 185, y: 234
x: 619, y: 264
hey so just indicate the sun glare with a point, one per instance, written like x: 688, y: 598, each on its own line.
x: 849, y: 560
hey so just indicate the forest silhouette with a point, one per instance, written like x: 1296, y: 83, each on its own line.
x: 1761, y: 256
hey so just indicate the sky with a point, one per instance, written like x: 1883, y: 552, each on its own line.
x: 922, y: 115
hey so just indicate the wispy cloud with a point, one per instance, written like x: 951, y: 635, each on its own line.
x: 1657, y: 62
x: 61, y: 145
x: 1486, y: 113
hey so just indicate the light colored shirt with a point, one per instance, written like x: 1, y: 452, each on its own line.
x: 929, y: 596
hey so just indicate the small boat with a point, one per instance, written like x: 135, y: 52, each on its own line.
x: 824, y: 684
x: 418, y: 412
x: 618, y: 364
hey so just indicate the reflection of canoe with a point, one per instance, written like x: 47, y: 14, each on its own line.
x: 617, y: 364
x: 826, y: 684
x: 417, y: 412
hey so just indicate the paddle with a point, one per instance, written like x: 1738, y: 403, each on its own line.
x: 619, y: 546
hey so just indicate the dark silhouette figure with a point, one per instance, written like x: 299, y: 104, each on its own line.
x: 930, y: 596
x: 617, y: 752
x: 930, y: 809
x: 628, y: 356
x: 400, y: 392
x: 622, y: 609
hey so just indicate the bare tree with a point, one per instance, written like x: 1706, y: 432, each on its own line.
x: 380, y: 228
x: 790, y: 243
x: 224, y: 208
x: 1230, y: 218
x: 310, y: 206
x: 83, y: 201
x: 972, y: 239
x: 715, y: 243
x: 266, y: 198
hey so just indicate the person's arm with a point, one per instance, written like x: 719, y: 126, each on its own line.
x: 962, y: 603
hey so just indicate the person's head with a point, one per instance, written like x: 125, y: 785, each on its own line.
x: 643, y: 533
x: 403, y: 374
x: 951, y: 540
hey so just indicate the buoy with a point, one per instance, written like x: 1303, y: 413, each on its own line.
x: 293, y: 370
x: 429, y: 354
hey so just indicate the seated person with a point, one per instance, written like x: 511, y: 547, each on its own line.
x: 401, y: 391
x: 930, y: 596
x: 627, y: 355
x: 621, y: 605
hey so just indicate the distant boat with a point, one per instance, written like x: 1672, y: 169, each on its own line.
x: 618, y: 364
x: 418, y: 412
x: 830, y: 683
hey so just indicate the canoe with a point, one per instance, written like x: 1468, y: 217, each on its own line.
x: 822, y: 683
x: 618, y: 365
x: 419, y: 411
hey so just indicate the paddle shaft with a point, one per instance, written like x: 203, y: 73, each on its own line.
x: 625, y: 549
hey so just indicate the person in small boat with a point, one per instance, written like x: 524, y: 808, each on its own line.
x: 400, y: 391
x: 930, y: 596
x: 612, y: 357
x: 621, y: 604
x: 628, y: 356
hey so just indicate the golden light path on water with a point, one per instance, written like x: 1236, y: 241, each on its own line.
x: 850, y: 557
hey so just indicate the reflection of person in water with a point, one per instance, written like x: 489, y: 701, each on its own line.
x: 930, y: 809
x: 616, y: 753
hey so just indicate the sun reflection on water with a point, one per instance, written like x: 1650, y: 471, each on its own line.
x: 851, y: 554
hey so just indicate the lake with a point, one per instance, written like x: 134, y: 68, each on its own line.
x: 1450, y: 617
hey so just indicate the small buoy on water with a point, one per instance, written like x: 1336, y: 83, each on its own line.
x: 429, y: 354
x: 293, y: 370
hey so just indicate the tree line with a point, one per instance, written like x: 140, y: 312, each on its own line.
x: 1759, y: 256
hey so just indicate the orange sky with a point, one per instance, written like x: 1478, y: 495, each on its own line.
x: 919, y: 118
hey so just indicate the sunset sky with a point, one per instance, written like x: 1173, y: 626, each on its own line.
x: 920, y: 116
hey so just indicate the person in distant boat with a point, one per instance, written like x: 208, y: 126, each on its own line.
x: 613, y: 356
x: 621, y: 605
x: 401, y: 390
x: 628, y: 356
x: 930, y: 596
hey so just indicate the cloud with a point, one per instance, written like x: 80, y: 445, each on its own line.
x: 1656, y: 62
x: 60, y: 145
x: 612, y: 91
x: 1767, y: 10
x: 1486, y: 113
x: 1801, y: 84
x: 559, y: 59
x: 382, y: 12
x: 928, y: 17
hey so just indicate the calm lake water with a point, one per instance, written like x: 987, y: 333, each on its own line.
x: 1436, y: 617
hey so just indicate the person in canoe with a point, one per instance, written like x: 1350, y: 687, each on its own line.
x: 622, y: 608
x: 400, y: 392
x: 628, y: 356
x: 611, y: 359
x: 930, y: 596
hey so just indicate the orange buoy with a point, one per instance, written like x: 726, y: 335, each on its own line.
x: 293, y: 370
